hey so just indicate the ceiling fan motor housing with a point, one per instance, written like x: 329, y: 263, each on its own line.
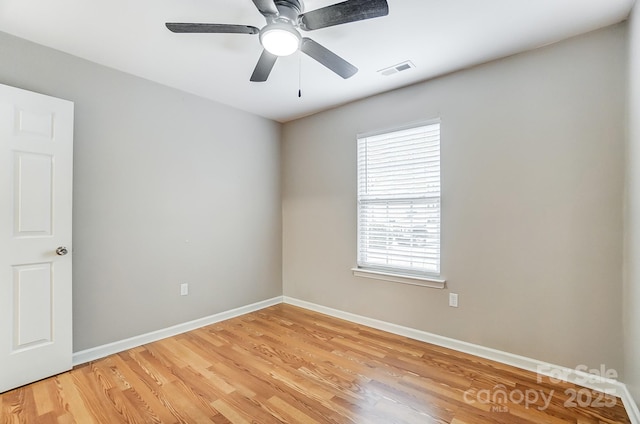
x: 288, y: 11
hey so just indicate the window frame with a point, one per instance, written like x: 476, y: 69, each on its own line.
x: 419, y: 278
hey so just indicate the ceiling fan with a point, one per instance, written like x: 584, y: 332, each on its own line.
x: 280, y: 37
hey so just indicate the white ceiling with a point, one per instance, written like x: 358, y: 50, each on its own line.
x: 438, y: 36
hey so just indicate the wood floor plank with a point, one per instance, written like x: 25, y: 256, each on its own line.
x: 94, y: 395
x: 141, y: 393
x: 44, y: 391
x: 190, y: 410
x: 232, y: 414
x: 289, y: 413
x: 285, y: 364
x: 150, y: 389
x: 72, y: 400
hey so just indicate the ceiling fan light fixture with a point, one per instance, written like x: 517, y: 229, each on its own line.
x: 280, y: 39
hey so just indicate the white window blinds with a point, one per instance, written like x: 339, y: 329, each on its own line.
x: 399, y: 201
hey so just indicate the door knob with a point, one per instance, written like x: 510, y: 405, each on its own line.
x: 61, y: 251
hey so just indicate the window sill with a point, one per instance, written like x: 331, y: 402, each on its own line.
x: 432, y: 282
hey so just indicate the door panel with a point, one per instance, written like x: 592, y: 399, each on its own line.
x: 32, y: 307
x: 33, y: 193
x: 36, y: 152
x: 34, y: 122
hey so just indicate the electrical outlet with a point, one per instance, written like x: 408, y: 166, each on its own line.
x: 453, y: 300
x: 184, y: 289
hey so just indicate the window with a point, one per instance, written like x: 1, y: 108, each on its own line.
x: 399, y: 202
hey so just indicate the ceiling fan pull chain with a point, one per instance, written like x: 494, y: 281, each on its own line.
x: 299, y: 75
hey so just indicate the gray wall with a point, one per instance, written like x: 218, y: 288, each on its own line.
x: 632, y: 221
x: 532, y: 177
x: 155, y: 167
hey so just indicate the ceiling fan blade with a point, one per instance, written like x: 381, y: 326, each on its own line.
x: 342, y: 13
x: 264, y: 67
x: 211, y: 28
x: 266, y: 7
x: 328, y: 58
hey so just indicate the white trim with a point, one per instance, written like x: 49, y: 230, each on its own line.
x: 414, y: 280
x: 98, y: 352
x: 581, y: 378
x: 406, y: 126
x: 630, y: 405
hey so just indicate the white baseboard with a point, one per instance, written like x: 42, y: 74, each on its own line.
x: 98, y: 352
x: 630, y: 405
x: 580, y: 378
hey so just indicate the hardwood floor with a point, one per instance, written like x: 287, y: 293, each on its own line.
x: 289, y: 365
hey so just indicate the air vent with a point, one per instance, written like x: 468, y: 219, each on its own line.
x: 397, y: 68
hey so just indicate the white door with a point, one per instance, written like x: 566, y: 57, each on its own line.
x: 36, y: 153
